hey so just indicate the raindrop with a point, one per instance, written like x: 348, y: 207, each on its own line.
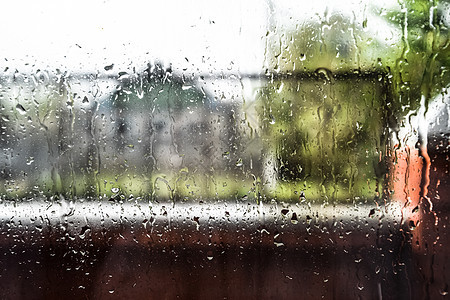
x: 280, y: 89
x: 302, y: 197
x: 209, y: 255
x: 85, y: 230
x: 109, y: 67
x: 30, y: 160
x: 325, y: 73
x: 272, y: 119
x: 21, y: 109
x: 197, y: 220
x: 115, y: 190
x: 294, y: 219
x: 239, y: 162
x: 278, y: 244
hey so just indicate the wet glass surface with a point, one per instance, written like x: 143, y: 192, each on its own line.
x: 300, y: 152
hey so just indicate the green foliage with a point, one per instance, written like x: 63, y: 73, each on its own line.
x: 326, y: 134
x: 335, y: 134
x: 422, y: 69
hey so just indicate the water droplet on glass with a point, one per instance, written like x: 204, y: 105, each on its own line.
x: 278, y: 244
x: 30, y: 160
x: 109, y: 67
x: 302, y: 197
x: 280, y: 89
x: 115, y: 190
x: 209, y: 255
x: 239, y: 162
x: 294, y: 219
x: 272, y: 119
x: 325, y: 73
x: 412, y: 225
x: 21, y: 109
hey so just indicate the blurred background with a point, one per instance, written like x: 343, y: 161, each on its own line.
x: 224, y: 150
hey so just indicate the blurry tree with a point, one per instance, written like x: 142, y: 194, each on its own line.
x: 329, y: 138
x: 422, y: 70
x: 324, y: 117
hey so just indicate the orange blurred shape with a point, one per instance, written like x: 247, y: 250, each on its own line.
x: 406, y: 179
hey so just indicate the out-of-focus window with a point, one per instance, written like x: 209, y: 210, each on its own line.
x: 224, y: 150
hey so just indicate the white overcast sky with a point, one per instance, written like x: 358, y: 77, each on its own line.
x: 205, y: 36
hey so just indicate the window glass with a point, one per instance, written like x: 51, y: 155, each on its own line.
x: 258, y: 149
